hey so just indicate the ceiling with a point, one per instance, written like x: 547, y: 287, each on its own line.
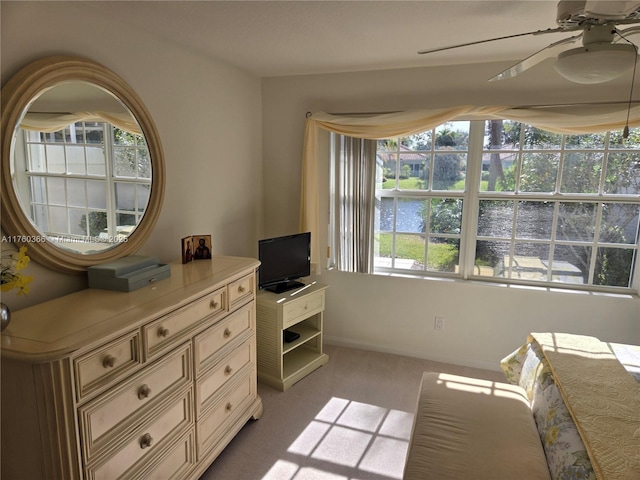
x: 280, y: 38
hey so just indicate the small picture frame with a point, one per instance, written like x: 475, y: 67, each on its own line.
x: 202, y: 247
x: 187, y: 249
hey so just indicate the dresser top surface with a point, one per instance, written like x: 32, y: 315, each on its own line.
x: 60, y: 326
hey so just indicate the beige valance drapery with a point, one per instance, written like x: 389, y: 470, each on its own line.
x: 53, y: 122
x: 576, y: 119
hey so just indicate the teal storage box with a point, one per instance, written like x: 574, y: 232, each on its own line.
x: 127, y: 273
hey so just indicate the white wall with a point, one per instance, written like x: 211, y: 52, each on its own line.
x: 483, y: 323
x: 208, y: 114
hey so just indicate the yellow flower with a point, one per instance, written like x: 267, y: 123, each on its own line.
x: 10, y: 268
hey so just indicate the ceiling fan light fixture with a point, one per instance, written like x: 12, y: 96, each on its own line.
x: 595, y: 62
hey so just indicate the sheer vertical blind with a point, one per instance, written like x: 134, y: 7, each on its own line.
x: 353, y: 197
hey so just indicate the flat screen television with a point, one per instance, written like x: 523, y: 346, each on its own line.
x: 283, y: 261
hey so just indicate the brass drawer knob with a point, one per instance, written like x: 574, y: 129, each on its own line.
x: 163, y: 332
x: 228, y: 407
x: 144, y: 391
x: 241, y: 289
x: 146, y: 440
x: 227, y: 333
x: 109, y: 361
x: 213, y: 305
x: 228, y: 370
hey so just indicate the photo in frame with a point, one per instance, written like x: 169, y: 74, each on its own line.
x: 187, y: 249
x: 202, y: 247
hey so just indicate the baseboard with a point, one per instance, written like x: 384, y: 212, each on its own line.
x: 409, y: 352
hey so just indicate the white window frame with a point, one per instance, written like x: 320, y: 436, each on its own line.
x: 471, y: 201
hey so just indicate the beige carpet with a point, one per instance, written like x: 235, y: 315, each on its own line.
x: 348, y: 420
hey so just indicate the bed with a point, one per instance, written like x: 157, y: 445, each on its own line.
x: 585, y: 400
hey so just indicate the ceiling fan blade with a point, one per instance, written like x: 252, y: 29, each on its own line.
x: 537, y: 32
x: 609, y: 9
x: 532, y: 60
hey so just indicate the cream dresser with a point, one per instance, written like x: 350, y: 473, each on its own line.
x: 151, y: 384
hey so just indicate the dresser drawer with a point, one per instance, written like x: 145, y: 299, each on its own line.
x: 236, y: 363
x: 209, y: 344
x: 242, y: 290
x: 105, y: 419
x: 173, y: 328
x: 106, y: 364
x: 147, y: 439
x: 297, y: 310
x: 229, y: 407
x: 172, y: 464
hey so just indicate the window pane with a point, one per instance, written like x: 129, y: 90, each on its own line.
x: 581, y: 172
x: 55, y: 159
x: 449, y: 171
x: 446, y: 216
x: 571, y: 264
x: 76, y: 221
x: 614, y: 266
x: 590, y: 141
x: 452, y: 136
x: 40, y: 218
x: 623, y: 174
x: 97, y: 194
x: 539, y: 172
x: 495, y: 218
x: 617, y: 141
x: 490, y: 257
x: 619, y: 223
x: 502, y: 135
x: 534, y: 220
x: 410, y: 250
x: 75, y: 159
x: 443, y: 255
x: 418, y: 141
x: 125, y: 219
x: 143, y: 192
x: 410, y: 215
x: 384, y: 214
x: 124, y: 160
x: 58, y: 219
x: 97, y: 223
x: 144, y: 163
x: 498, y: 172
x: 414, y: 171
x: 37, y: 158
x: 125, y: 196
x: 94, y: 133
x: 576, y: 221
x: 56, y: 191
x: 530, y: 261
x: 387, y: 145
x: 76, y: 195
x: 386, y: 163
x: 536, y: 139
x: 38, y: 190
x: 96, y: 161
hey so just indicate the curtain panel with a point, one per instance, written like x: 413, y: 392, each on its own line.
x: 51, y: 122
x: 571, y: 119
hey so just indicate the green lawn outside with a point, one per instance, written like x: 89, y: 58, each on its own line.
x: 443, y: 257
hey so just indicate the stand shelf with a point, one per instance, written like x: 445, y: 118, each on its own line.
x: 281, y: 364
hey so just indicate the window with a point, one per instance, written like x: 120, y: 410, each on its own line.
x: 89, y: 180
x: 504, y: 201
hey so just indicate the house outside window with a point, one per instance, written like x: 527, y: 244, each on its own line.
x: 506, y: 202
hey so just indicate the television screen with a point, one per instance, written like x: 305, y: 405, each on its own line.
x: 283, y: 260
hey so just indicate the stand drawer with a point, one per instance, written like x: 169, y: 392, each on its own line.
x: 297, y: 310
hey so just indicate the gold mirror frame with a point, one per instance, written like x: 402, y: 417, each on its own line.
x: 17, y: 95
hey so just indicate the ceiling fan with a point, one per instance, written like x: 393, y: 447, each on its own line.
x: 605, y: 52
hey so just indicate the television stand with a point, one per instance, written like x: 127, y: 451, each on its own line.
x: 285, y: 286
x: 282, y: 363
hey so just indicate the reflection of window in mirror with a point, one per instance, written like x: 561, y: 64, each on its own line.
x: 90, y: 179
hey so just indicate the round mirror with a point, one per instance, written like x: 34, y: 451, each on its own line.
x: 82, y: 165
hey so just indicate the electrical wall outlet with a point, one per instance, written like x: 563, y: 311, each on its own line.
x: 438, y: 324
